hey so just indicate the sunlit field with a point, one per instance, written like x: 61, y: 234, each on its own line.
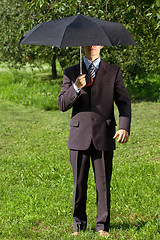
x: 36, y: 176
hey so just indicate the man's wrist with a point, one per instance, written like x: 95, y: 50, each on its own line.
x: 76, y: 88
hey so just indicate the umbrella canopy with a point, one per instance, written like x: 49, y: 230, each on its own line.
x: 78, y: 30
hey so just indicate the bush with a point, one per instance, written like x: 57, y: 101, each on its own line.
x: 147, y: 88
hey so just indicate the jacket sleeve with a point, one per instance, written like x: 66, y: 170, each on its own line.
x: 123, y: 102
x: 68, y: 95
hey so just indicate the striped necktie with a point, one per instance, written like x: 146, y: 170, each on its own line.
x: 91, y: 71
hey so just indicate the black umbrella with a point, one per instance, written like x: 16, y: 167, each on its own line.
x: 78, y: 30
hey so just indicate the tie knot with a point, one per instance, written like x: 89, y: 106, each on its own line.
x: 91, y: 66
x: 91, y: 71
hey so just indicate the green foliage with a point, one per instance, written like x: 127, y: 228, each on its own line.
x: 37, y: 184
x: 141, y: 18
x: 147, y: 88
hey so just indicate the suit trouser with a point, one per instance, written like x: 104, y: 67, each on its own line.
x: 102, y: 166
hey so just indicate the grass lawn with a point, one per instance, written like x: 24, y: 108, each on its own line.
x: 37, y: 185
x: 30, y: 87
x: 35, y: 87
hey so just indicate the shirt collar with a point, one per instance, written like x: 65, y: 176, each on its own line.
x: 95, y: 63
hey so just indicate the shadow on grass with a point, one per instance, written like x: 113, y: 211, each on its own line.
x: 46, y: 77
x: 125, y: 225
x: 129, y: 225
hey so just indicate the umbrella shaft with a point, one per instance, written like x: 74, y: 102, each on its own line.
x: 80, y: 60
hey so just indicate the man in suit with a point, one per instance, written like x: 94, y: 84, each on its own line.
x: 92, y: 130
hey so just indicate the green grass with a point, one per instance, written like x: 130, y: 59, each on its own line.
x: 36, y: 176
x: 37, y: 185
x: 35, y: 87
x: 30, y: 87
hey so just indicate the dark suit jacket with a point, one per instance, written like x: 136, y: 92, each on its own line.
x: 93, y: 108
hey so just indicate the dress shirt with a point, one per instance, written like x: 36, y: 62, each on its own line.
x: 88, y: 63
x: 95, y: 63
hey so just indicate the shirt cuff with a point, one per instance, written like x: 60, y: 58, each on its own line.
x: 75, y: 88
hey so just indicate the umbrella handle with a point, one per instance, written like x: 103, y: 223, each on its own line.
x: 89, y: 84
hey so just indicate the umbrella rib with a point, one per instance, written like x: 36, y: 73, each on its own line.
x: 65, y: 31
x: 104, y: 33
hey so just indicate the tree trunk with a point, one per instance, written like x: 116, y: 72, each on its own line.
x: 54, y: 70
x: 106, y: 7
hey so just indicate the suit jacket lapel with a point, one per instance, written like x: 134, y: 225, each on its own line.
x: 101, y: 72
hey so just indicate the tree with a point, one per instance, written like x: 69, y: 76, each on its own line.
x: 141, y: 18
